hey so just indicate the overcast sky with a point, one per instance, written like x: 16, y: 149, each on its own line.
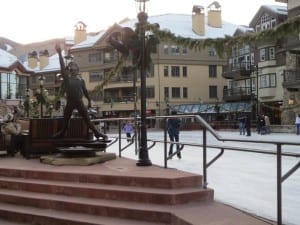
x: 27, y: 21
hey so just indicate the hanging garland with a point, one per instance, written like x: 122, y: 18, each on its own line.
x: 290, y: 27
x: 132, y: 44
x: 130, y: 47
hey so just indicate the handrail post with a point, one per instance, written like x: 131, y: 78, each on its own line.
x: 279, y: 186
x: 204, y: 158
x: 165, y: 143
x: 120, y: 138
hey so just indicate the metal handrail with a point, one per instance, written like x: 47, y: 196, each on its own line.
x: 206, y: 127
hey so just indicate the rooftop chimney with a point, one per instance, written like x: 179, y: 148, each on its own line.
x: 44, y: 58
x: 32, y: 59
x: 214, y: 15
x: 80, y: 32
x: 198, y: 20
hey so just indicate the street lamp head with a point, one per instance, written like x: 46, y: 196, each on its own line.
x: 42, y: 78
x: 69, y: 58
x: 141, y: 5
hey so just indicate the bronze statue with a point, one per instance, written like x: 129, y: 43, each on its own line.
x: 75, y: 89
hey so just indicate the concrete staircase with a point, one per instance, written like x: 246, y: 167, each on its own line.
x: 44, y: 197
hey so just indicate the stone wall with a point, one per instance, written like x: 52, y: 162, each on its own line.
x: 283, y: 129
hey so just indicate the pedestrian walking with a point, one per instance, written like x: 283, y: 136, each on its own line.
x: 173, y: 131
x: 128, y: 129
x: 268, y: 124
x: 242, y: 125
x: 297, y: 123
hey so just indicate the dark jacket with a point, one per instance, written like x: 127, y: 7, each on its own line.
x: 173, y: 126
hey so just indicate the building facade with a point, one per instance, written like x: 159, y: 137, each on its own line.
x: 178, y: 75
x: 14, y: 84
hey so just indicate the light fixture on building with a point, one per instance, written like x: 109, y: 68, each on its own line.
x: 291, y: 100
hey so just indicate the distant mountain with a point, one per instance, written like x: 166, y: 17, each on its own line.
x: 21, y: 50
x: 7, y: 44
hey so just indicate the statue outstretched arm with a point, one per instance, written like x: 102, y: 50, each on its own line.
x: 61, y: 61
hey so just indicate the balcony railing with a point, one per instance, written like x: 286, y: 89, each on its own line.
x: 122, y: 78
x: 123, y: 99
x: 237, y: 94
x: 232, y: 71
x: 291, y: 79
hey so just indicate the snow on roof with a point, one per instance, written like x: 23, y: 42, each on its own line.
x: 181, y: 25
x: 7, y: 59
x: 277, y: 9
x: 53, y: 65
x: 90, y: 41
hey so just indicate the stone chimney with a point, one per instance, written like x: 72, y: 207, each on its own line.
x: 44, y: 58
x: 198, y: 20
x: 80, y: 32
x: 214, y: 15
x: 32, y: 59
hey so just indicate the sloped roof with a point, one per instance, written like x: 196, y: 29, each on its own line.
x: 53, y: 65
x: 280, y: 11
x: 179, y: 24
x: 7, y: 59
x: 9, y: 62
x: 90, y: 41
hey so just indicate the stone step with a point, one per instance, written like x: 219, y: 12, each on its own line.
x: 110, y: 192
x: 22, y: 215
x: 125, y: 180
x: 90, y: 206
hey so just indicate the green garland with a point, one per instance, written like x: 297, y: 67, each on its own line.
x: 221, y: 45
x: 290, y: 27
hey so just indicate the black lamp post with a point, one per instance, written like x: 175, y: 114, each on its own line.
x: 41, y: 79
x: 27, y: 100
x: 142, y: 21
x: 257, y: 100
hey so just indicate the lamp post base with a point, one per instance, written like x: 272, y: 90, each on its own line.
x: 144, y: 162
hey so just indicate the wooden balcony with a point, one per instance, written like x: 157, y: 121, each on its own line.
x: 237, y: 94
x: 234, y: 71
x: 291, y: 79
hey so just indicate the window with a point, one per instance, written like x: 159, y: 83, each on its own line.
x: 184, y: 50
x: 95, y: 57
x: 150, y: 73
x: 166, y: 71
x: 184, y: 71
x: 110, y: 56
x: 262, y: 54
x: 268, y: 80
x: 272, y: 53
x: 96, y: 76
x: 213, y: 91
x: 175, y: 50
x: 50, y: 79
x: 175, y: 92
x: 12, y: 85
x: 166, y: 92
x: 107, y: 57
x: 185, y: 92
x: 150, y: 92
x: 212, y: 51
x: 212, y: 71
x: 273, y: 22
x: 175, y: 71
x: 166, y: 49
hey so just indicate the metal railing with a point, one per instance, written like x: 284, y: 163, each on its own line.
x: 204, y: 145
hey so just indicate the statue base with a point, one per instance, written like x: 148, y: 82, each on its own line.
x: 78, y: 160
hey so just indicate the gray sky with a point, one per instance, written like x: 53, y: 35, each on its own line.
x: 32, y: 20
